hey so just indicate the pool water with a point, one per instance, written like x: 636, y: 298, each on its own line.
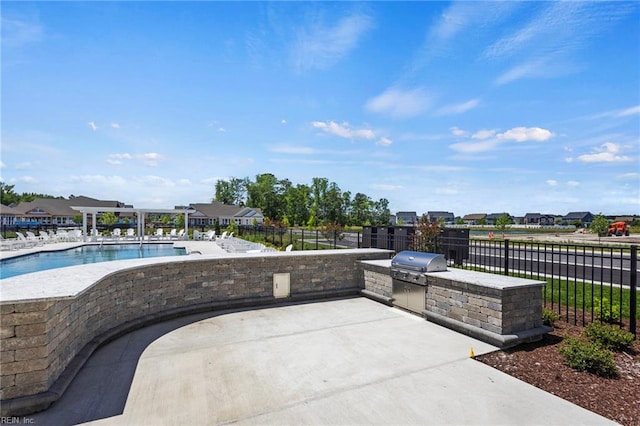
x: 83, y: 255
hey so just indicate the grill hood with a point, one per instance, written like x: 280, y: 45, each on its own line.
x: 416, y: 261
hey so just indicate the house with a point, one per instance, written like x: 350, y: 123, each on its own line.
x: 492, y: 218
x: 406, y: 218
x: 474, y: 218
x: 206, y: 214
x: 436, y: 216
x: 585, y: 218
x: 55, y: 211
x: 7, y: 215
x: 539, y: 219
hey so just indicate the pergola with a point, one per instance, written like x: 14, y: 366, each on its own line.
x: 140, y: 214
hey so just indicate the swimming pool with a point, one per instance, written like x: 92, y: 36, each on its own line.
x: 83, y: 255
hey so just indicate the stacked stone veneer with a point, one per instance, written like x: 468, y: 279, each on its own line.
x: 503, y: 311
x: 45, y: 341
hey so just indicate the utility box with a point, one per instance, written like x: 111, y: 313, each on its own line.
x: 454, y: 244
x: 281, y: 285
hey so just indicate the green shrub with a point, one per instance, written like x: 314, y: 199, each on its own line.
x: 549, y: 317
x: 588, y: 356
x: 609, y: 337
x: 605, y: 311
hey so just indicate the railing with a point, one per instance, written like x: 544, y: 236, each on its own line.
x: 300, y: 239
x: 585, y: 283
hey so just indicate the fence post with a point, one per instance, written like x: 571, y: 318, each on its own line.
x: 633, y: 287
x: 506, y: 257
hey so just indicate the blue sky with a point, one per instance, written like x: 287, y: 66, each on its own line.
x: 466, y: 107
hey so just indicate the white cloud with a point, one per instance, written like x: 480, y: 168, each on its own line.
x: 292, y: 149
x: 321, y: 46
x: 458, y: 132
x: 631, y: 175
x: 606, y: 153
x: 619, y: 113
x: 92, y: 125
x: 113, y: 181
x: 343, y: 130
x: 552, y: 182
x: 573, y: 183
x: 484, y: 134
x: 385, y: 187
x: 524, y: 134
x: 472, y: 147
x: 400, y: 103
x: 283, y: 121
x: 16, y: 33
x: 24, y: 166
x: 2, y: 165
x: 150, y: 158
x: 115, y: 125
x: 458, y: 108
x: 384, y: 141
x: 24, y: 179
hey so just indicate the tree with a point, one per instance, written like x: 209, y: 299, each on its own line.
x: 503, y: 222
x: 7, y: 195
x: 599, y: 225
x: 381, y: 213
x: 108, y: 218
x: 297, y: 202
x: 232, y: 191
x: 318, y: 207
x: 426, y: 235
x: 360, y: 210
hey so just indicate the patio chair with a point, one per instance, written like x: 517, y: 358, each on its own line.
x: 289, y: 247
x: 24, y: 241
x: 116, y: 233
x: 9, y: 244
x: 32, y: 237
x: 131, y: 234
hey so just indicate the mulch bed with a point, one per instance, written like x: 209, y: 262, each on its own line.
x: 541, y: 365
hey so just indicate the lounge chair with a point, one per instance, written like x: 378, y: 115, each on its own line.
x: 159, y: 235
x: 173, y: 234
x: 24, y: 241
x: 116, y: 234
x: 289, y: 247
x: 131, y: 234
x: 62, y: 236
x: 9, y: 244
x: 32, y: 237
x: 211, y: 235
x: 197, y: 235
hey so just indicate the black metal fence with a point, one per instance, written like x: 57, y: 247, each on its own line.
x: 300, y: 239
x: 584, y: 282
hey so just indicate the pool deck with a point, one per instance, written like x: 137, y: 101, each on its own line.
x: 201, y: 247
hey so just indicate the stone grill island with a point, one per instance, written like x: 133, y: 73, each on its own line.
x: 501, y: 310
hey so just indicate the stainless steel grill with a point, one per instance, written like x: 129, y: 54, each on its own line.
x: 411, y: 266
x: 408, y: 277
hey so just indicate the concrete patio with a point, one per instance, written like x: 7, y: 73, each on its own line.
x: 345, y: 361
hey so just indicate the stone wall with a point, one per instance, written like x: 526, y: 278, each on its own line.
x: 45, y: 342
x: 498, y: 309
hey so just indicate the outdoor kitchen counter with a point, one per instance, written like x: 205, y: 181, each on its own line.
x: 483, y: 280
x: 501, y: 310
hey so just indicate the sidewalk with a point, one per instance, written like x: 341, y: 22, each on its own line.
x: 348, y: 361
